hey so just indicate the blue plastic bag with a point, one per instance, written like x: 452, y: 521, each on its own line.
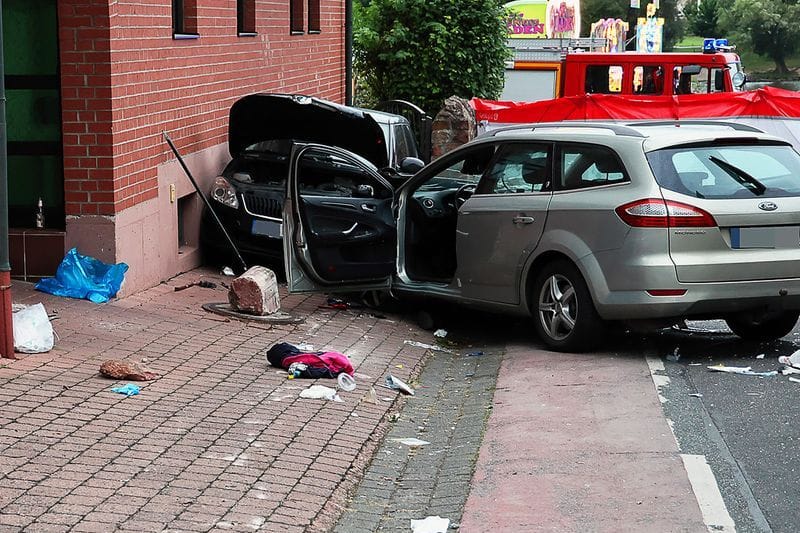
x: 128, y: 390
x: 81, y: 276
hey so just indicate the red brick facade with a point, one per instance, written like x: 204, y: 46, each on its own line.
x: 125, y: 80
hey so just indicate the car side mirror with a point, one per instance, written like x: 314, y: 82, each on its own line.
x: 739, y: 80
x: 411, y: 165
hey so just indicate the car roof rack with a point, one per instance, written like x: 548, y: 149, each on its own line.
x: 697, y: 122
x: 616, y: 129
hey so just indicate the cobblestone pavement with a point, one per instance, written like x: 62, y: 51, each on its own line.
x: 449, y: 410
x: 220, y: 441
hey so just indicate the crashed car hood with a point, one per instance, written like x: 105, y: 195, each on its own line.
x: 263, y: 117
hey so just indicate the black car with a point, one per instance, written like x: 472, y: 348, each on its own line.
x: 248, y: 196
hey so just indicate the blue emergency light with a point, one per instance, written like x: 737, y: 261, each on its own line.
x: 711, y: 46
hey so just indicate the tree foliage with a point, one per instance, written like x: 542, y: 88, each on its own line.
x: 770, y: 27
x: 703, y: 18
x: 427, y: 50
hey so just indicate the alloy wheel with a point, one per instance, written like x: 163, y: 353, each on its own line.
x: 558, y: 307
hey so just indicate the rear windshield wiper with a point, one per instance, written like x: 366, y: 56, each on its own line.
x: 739, y: 175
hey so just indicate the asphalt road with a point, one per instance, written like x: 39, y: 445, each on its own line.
x: 746, y: 426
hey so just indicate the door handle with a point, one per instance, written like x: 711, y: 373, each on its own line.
x: 522, y: 220
x: 368, y: 208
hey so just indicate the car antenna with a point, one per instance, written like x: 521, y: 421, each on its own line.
x: 205, y: 200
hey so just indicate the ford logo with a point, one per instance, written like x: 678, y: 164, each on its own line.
x: 767, y: 206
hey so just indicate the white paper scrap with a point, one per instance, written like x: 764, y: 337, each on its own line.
x: 412, y: 441
x: 430, y: 524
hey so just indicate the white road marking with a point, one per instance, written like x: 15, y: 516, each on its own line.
x: 704, y: 485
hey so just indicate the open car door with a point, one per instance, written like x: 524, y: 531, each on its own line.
x: 339, y: 228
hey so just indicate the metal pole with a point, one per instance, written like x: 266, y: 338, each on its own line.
x: 205, y: 200
x: 6, y: 319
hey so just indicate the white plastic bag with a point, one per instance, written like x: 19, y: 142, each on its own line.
x: 33, y: 332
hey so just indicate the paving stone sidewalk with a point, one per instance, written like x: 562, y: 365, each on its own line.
x: 449, y: 410
x: 219, y: 442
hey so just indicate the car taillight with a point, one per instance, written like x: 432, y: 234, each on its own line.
x: 657, y: 213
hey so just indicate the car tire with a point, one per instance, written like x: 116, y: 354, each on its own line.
x: 768, y: 329
x: 564, y: 315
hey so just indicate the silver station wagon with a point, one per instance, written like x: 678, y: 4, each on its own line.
x: 573, y: 224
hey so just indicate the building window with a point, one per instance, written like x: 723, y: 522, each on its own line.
x: 296, y: 16
x: 313, y: 16
x: 184, y: 19
x: 246, y: 17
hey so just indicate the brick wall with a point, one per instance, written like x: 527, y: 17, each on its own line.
x: 125, y: 81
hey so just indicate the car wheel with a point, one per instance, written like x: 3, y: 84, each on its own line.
x: 564, y: 315
x: 767, y: 329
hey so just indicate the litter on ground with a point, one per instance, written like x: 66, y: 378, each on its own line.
x: 398, y: 384
x: 33, y: 332
x: 791, y: 360
x: 320, y: 392
x: 744, y: 370
x: 128, y: 389
x: 412, y: 441
x: 430, y: 524
x: 427, y: 346
x: 440, y: 333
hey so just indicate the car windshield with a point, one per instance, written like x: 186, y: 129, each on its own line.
x: 728, y: 171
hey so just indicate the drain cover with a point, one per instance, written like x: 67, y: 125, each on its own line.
x: 278, y: 317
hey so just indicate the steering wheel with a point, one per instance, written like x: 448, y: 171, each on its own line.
x: 463, y: 194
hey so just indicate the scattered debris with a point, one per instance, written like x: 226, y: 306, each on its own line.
x: 695, y: 395
x: 791, y: 360
x: 760, y: 356
x: 428, y: 346
x: 320, y: 392
x: 440, y: 333
x: 338, y: 303
x: 474, y: 354
x: 84, y: 277
x: 794, y: 380
x: 346, y: 382
x: 128, y: 390
x: 397, y: 384
x: 786, y: 370
x: 674, y: 356
x: 228, y: 271
x: 33, y: 332
x: 122, y: 369
x: 412, y: 441
x: 744, y: 370
x: 203, y: 283
x: 430, y: 524
x: 371, y: 396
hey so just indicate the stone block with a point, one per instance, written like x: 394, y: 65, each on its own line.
x: 255, y: 292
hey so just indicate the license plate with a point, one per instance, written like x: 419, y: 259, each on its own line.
x: 766, y: 237
x: 267, y: 228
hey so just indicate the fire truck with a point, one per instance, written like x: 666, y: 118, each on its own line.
x: 551, y: 68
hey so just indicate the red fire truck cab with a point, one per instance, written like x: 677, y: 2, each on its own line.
x: 579, y: 73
